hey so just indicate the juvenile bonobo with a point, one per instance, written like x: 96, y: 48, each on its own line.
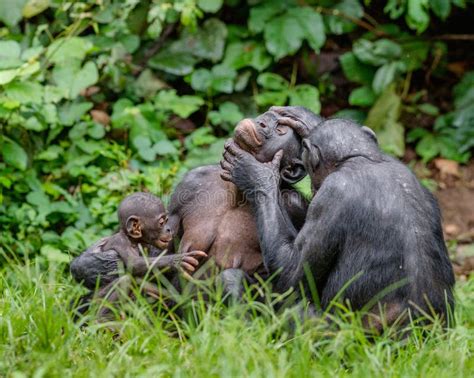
x: 370, y: 221
x: 143, y: 226
x: 210, y: 214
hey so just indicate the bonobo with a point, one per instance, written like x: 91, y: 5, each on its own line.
x: 210, y: 214
x: 371, y: 225
x: 143, y: 226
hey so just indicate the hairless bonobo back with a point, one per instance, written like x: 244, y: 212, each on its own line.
x: 370, y: 221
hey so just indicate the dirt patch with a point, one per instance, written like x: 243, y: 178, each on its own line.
x: 456, y: 198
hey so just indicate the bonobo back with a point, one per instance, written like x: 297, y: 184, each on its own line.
x: 211, y: 215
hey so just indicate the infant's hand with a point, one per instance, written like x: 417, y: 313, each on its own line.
x: 189, y: 261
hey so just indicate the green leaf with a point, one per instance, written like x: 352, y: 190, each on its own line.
x: 230, y: 112
x: 355, y: 70
x: 223, y: 78
x: 312, y: 25
x: 10, y: 52
x: 183, y: 106
x: 51, y: 153
x: 427, y: 147
x: 272, y: 81
x: 165, y: 147
x: 376, y: 53
x: 201, y: 80
x: 305, y: 95
x: 69, y: 113
x: 148, y: 84
x: 10, y: 11
x: 34, y: 7
x: 142, y: 144
x: 72, y: 79
x: 362, y: 96
x: 417, y: 16
x: 24, y: 92
x: 174, y: 62
x: 211, y: 6
x: 340, y: 25
x: 385, y: 75
x: 260, y: 15
x: 355, y: 115
x: 383, y: 119
x: 7, y: 76
x: 441, y: 8
x: 14, y: 154
x: 464, y: 91
x: 64, y: 49
x: 271, y: 98
x: 244, y: 54
x: 285, y: 34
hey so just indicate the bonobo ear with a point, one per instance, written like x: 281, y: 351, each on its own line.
x: 293, y: 171
x: 311, y: 157
x: 371, y: 133
x: 134, y: 227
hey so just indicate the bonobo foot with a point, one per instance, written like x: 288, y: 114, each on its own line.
x: 232, y: 281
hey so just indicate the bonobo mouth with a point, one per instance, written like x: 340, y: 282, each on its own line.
x: 246, y: 135
x: 163, y: 242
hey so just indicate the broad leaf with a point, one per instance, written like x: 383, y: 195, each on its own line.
x: 383, y: 119
x: 14, y: 154
x: 305, y: 95
x: 362, y: 96
x: 355, y: 70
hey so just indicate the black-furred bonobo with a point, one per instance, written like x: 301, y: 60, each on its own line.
x: 143, y: 229
x: 370, y: 221
x: 211, y: 214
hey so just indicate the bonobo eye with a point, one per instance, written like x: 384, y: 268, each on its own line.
x: 261, y: 124
x: 281, y: 130
x: 162, y: 221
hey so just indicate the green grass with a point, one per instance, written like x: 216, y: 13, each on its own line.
x: 38, y: 338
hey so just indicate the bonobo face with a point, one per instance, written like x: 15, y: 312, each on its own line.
x: 263, y: 137
x: 156, y: 230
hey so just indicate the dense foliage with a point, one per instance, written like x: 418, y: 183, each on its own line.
x: 102, y: 97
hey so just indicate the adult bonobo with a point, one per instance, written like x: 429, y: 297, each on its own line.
x: 370, y: 225
x: 211, y: 214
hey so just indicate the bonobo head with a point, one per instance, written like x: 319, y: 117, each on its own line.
x: 263, y: 137
x: 143, y: 219
x: 334, y: 142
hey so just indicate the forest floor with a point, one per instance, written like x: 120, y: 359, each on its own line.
x: 455, y: 193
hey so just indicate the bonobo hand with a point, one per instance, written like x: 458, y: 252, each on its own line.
x: 247, y: 173
x: 300, y: 119
x: 188, y: 262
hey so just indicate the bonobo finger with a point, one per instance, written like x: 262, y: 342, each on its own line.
x: 278, y: 109
x: 277, y: 159
x: 187, y: 267
x: 191, y: 260
x: 197, y: 253
x: 226, y: 176
x: 300, y: 128
x: 225, y: 165
x: 234, y: 149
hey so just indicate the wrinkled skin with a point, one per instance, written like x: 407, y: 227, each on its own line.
x: 370, y: 221
x: 143, y: 226
x: 210, y: 214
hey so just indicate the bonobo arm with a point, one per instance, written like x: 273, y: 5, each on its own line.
x: 283, y: 248
x: 139, y: 266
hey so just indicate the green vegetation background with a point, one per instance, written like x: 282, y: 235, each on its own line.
x: 100, y: 98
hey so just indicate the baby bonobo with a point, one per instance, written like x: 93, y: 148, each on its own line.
x: 137, y: 249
